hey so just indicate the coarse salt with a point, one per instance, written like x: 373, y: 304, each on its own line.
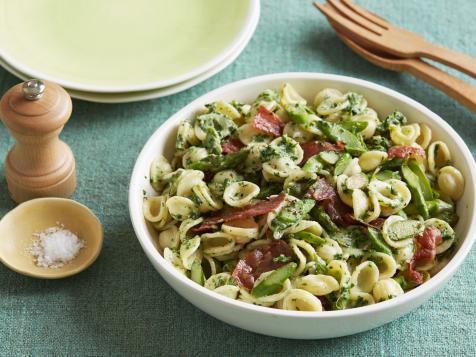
x: 55, y: 247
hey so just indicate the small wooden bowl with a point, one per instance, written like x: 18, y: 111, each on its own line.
x: 18, y: 226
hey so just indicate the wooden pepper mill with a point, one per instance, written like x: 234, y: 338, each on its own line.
x: 40, y: 164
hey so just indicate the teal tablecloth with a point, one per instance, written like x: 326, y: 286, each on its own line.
x: 121, y: 306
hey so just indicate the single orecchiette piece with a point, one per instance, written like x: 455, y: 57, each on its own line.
x: 298, y: 246
x: 185, y: 136
x: 173, y: 258
x: 438, y: 156
x: 318, y: 285
x: 187, y: 180
x: 304, y: 225
x: 188, y: 251
x: 330, y: 101
x: 365, y: 276
x: 169, y: 238
x: 217, y: 244
x: 370, y: 160
x: 386, y: 289
x: 389, y: 236
x: 158, y: 169
x: 425, y: 136
x: 253, y: 162
x: 221, y: 179
x: 223, y: 284
x: 289, y: 95
x: 296, y: 132
x: 329, y: 250
x: 386, y: 264
x: 155, y: 211
x: 360, y: 203
x: 239, y: 194
x: 359, y: 299
x: 277, y: 170
x: 212, y: 265
x: 451, y: 182
x: 186, y: 225
x: 404, y: 135
x: 392, y: 195
x: 447, y: 233
x: 344, y: 192
x: 370, y: 117
x: 352, y: 168
x: 339, y: 270
x: 300, y: 300
x: 325, y: 94
x: 193, y: 154
x: 404, y: 255
x: 288, y: 147
x: 242, y: 230
x: 206, y: 201
x: 246, y: 133
x: 297, y: 177
x: 181, y: 208
x: 227, y: 109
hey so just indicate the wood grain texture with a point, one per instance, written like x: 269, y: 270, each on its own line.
x: 39, y: 164
x: 391, y: 39
x: 456, y: 88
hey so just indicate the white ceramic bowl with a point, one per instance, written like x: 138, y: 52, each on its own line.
x: 291, y: 324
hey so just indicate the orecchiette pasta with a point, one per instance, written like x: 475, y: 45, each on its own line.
x: 155, y: 211
x: 438, y: 156
x: 404, y: 135
x: 159, y: 168
x: 181, y: 208
x: 169, y: 238
x: 304, y: 207
x: 370, y: 160
x: 365, y: 276
x: 300, y: 300
x: 240, y: 193
x: 386, y: 289
x: 318, y: 285
x: 218, y: 243
x: 451, y: 182
x: 242, y: 230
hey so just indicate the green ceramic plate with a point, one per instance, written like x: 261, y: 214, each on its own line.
x: 121, y: 45
x: 135, y: 96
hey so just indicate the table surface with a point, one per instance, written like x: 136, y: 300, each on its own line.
x: 121, y: 306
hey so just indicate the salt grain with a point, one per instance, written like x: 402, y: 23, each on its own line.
x: 55, y: 247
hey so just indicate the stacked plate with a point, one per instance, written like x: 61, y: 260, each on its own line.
x: 123, y: 50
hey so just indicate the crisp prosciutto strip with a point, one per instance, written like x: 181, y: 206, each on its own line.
x: 405, y: 151
x: 268, y: 122
x: 255, y: 209
x: 315, y: 147
x: 258, y: 261
x: 425, y: 253
x: 326, y: 195
x: 231, y: 146
x: 321, y: 190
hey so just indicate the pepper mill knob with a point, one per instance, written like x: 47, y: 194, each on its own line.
x: 39, y: 164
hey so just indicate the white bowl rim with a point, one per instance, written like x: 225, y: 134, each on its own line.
x: 247, y: 30
x: 430, y: 285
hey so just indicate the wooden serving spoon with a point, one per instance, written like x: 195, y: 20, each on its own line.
x: 456, y: 88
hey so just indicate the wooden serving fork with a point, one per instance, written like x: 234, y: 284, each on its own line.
x: 375, y: 33
x: 456, y: 88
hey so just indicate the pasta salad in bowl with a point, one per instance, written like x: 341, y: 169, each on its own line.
x: 304, y: 198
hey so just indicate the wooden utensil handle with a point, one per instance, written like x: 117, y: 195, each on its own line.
x: 458, y: 60
x: 456, y: 88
